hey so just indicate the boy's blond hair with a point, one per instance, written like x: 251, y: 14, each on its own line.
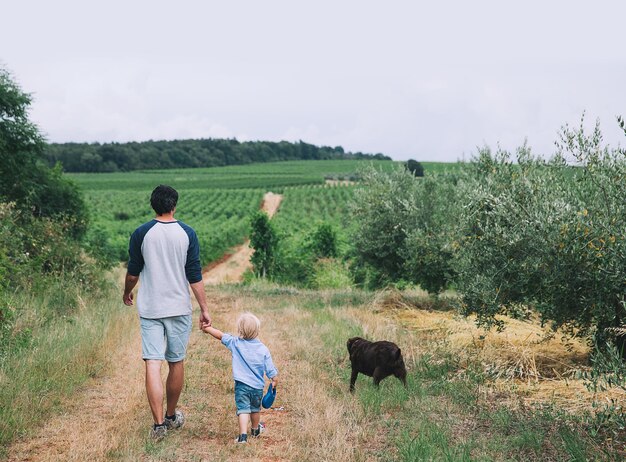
x: 248, y: 326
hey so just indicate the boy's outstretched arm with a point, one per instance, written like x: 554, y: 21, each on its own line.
x: 218, y: 334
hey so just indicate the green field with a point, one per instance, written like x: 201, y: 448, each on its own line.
x: 272, y: 175
x: 218, y: 201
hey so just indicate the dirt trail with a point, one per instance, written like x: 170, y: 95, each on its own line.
x: 107, y: 420
x: 232, y: 267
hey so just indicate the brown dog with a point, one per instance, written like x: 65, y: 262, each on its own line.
x: 375, y: 359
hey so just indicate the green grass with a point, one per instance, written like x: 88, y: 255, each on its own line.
x: 443, y: 415
x: 60, y: 355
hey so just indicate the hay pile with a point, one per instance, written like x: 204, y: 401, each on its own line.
x: 523, y: 350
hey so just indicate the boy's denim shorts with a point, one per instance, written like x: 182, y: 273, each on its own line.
x: 247, y: 399
x: 165, y: 338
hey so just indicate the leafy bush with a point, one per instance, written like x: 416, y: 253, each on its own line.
x: 298, y: 255
x: 329, y: 273
x: 549, y: 235
x: 385, y: 209
x: 406, y: 228
x: 25, y: 179
x: 508, y: 231
x: 263, y: 240
x: 322, y: 242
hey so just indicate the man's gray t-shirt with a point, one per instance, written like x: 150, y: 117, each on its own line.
x: 166, y: 256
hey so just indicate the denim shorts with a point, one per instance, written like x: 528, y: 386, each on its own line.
x: 247, y: 399
x: 165, y: 338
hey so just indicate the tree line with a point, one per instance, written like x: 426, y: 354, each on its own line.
x: 123, y: 157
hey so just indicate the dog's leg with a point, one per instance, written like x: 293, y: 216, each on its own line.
x: 353, y: 377
x: 378, y: 375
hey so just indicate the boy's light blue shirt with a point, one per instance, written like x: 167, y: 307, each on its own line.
x: 251, y: 359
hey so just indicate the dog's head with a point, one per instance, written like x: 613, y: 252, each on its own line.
x: 353, y: 342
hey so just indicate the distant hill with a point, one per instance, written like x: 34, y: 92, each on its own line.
x: 124, y: 157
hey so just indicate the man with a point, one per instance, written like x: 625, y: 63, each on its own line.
x: 166, y: 255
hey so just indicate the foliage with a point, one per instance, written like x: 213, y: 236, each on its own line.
x: 322, y: 243
x: 608, y: 371
x: 36, y: 257
x: 263, y: 240
x: 508, y: 231
x: 415, y: 167
x: 124, y: 157
x: 385, y: 212
x: 312, y: 222
x: 405, y: 227
x: 24, y: 178
x: 549, y: 235
x: 329, y: 273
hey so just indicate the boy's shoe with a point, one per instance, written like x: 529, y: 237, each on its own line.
x: 256, y: 432
x: 158, y: 432
x: 177, y: 422
x: 241, y: 439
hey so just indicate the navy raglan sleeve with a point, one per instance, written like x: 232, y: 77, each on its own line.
x: 135, y: 257
x: 193, y: 270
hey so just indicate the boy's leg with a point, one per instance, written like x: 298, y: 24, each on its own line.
x: 255, y: 417
x: 243, y: 423
x: 174, y: 385
x: 154, y: 389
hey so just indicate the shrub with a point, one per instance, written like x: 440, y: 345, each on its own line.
x: 322, y: 242
x: 385, y: 211
x: 25, y: 179
x: 329, y: 273
x: 406, y: 229
x: 549, y: 235
x: 263, y: 240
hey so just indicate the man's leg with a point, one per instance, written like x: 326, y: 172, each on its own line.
x: 154, y: 389
x: 174, y: 385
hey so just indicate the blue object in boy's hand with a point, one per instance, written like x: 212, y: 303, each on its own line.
x: 269, y: 397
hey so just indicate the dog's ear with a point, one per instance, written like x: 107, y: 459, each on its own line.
x: 398, y: 354
x: 351, y: 342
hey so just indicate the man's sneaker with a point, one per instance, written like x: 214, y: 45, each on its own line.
x: 256, y: 432
x: 241, y: 439
x: 158, y: 432
x: 177, y: 422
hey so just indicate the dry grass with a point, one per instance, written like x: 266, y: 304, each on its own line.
x: 528, y: 363
x: 313, y: 424
x: 89, y: 427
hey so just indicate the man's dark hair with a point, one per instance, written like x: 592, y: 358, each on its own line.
x: 163, y: 199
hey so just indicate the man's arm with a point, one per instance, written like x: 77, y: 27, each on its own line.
x: 129, y: 285
x: 200, y: 294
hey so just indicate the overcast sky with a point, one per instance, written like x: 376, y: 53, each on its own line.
x: 427, y: 80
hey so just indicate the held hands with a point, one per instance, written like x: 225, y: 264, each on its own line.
x: 205, y: 320
x: 274, y: 382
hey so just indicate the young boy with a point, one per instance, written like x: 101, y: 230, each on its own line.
x: 251, y: 359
